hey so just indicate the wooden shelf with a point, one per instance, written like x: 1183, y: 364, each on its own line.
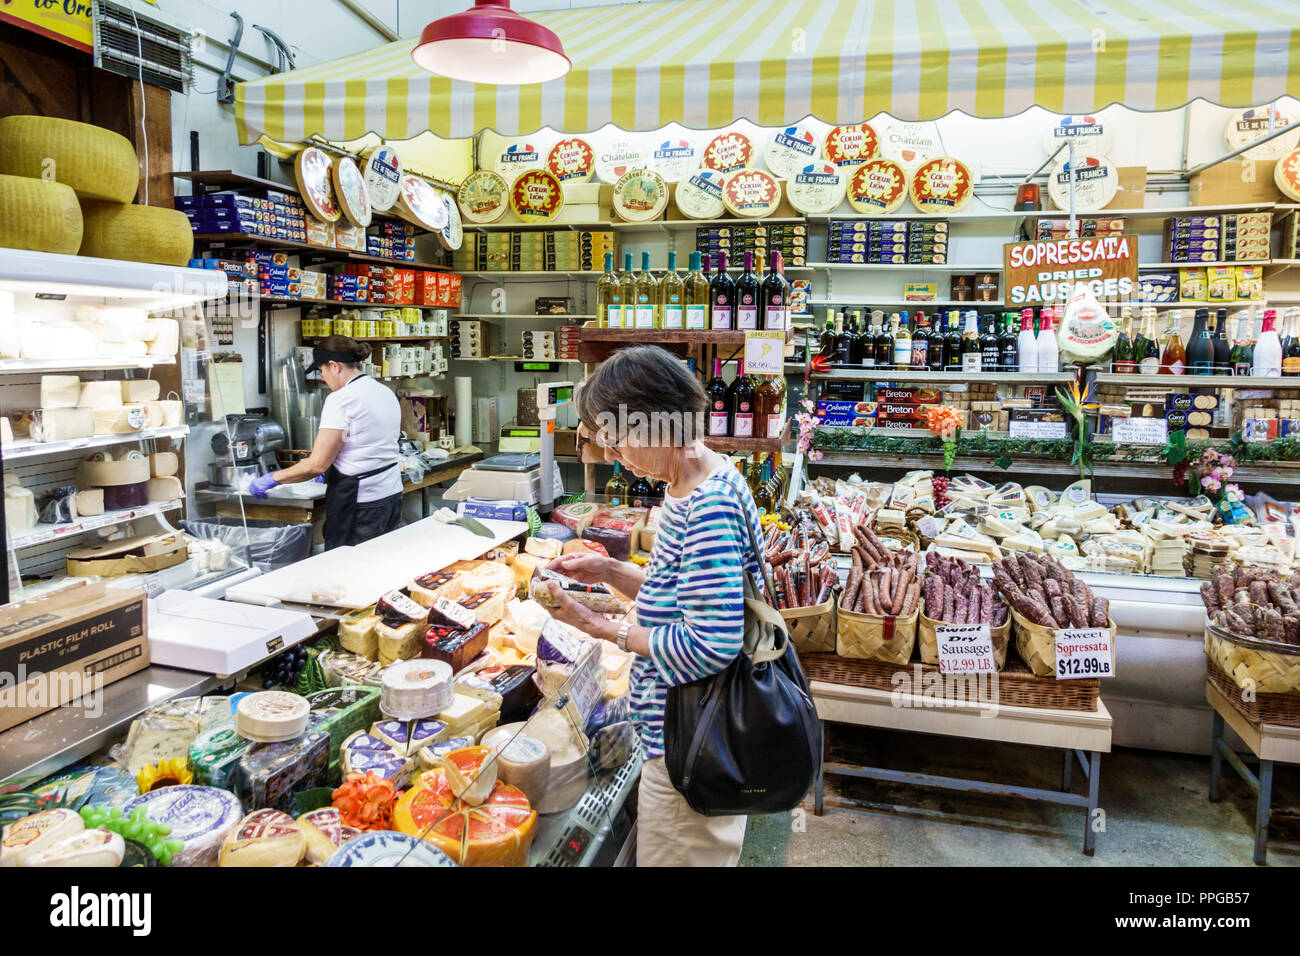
x: 903, y: 267
x: 218, y: 179
x: 872, y: 374
x: 1184, y: 382
x: 387, y: 338
x: 347, y: 303
x: 751, y: 445
x: 328, y: 252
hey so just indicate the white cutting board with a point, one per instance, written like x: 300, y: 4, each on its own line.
x: 219, y: 637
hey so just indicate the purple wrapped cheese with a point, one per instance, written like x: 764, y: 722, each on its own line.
x: 456, y: 645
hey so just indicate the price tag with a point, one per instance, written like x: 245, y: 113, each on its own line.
x: 583, y: 686
x: 1139, y: 431
x: 965, y: 649
x: 1084, y: 652
x: 764, y: 353
x: 1040, y: 430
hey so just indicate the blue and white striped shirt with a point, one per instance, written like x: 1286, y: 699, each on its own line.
x: 693, y: 596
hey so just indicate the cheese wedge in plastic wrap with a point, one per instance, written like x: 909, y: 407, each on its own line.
x: 264, y: 838
x: 1023, y: 540
x: 58, y: 424
x: 559, y: 654
x: 357, y: 633
x: 400, y: 643
x: 163, y: 336
x: 122, y: 420
x: 31, y: 834
x: 523, y: 566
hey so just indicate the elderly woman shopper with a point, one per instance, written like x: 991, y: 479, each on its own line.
x: 642, y: 406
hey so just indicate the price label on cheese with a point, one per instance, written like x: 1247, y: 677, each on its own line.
x: 965, y: 649
x: 583, y: 686
x: 764, y: 353
x: 458, y: 614
x: 1139, y: 431
x: 1084, y: 652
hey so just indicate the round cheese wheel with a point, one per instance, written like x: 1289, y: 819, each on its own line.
x: 524, y: 762
x: 851, y: 145
x: 1246, y: 126
x: 675, y: 159
x: 877, y: 187
x: 265, y: 837
x: 1091, y: 136
x: 137, y: 233
x: 536, y: 196
x: 571, y: 160
x: 517, y: 158
x: 416, y: 688
x: 312, y: 171
x: 37, y: 832
x: 484, y: 196
x: 498, y: 832
x: 1095, y: 184
x: 699, y: 196
x: 38, y: 215
x: 200, y: 817
x: 94, y: 162
x: 752, y: 193
x: 1286, y: 174
x: 790, y: 150
x: 817, y: 188
x: 383, y: 177
x: 385, y: 848
x: 88, y: 848
x: 324, y: 832
x: 728, y: 152
x: 452, y: 234
x: 620, y: 156
x: 421, y: 204
x: 640, y: 195
x: 350, y: 189
x: 911, y: 144
x: 271, y: 716
x: 941, y: 185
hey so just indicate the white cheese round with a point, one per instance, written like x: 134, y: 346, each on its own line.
x: 383, y: 177
x: 452, y: 234
x: 200, y: 817
x: 620, y: 156
x: 817, y: 188
x: 39, y: 831
x: 790, y: 150
x: 911, y: 144
x: 421, y: 204
x: 640, y: 195
x: 524, y: 762
x: 315, y: 183
x: 271, y: 716
x: 675, y: 159
x: 350, y: 188
x: 417, y: 688
x: 1246, y: 126
x: 1095, y: 184
x: 751, y: 193
x: 88, y: 848
x: 484, y: 196
x: 699, y: 196
x: 517, y: 158
x: 1091, y: 136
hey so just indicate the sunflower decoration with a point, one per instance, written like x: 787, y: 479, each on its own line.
x: 945, y: 422
x: 165, y: 773
x: 1075, y: 404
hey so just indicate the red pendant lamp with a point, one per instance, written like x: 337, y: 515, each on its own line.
x: 490, y: 43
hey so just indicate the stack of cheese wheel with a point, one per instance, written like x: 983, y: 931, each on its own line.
x: 496, y: 832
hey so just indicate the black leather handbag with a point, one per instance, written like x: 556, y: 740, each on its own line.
x: 747, y: 739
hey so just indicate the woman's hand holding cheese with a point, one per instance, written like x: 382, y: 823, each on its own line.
x: 569, y: 611
x: 587, y: 568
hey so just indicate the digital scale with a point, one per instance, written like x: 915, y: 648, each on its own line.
x: 521, y: 438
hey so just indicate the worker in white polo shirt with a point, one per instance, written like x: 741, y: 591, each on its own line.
x: 355, y: 449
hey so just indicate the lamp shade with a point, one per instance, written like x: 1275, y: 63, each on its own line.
x: 490, y: 43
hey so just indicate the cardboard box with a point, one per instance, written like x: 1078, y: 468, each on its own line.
x: 57, y: 648
x: 1235, y: 181
x: 142, y: 554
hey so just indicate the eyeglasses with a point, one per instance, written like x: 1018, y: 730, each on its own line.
x: 585, y: 438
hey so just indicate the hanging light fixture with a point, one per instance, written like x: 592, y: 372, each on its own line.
x: 490, y: 43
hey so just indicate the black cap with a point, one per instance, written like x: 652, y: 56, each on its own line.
x: 320, y: 356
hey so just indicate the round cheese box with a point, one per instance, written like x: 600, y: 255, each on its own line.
x: 675, y: 159
x: 452, y: 234
x: 699, y: 196
x: 200, y: 817
x: 271, y: 716
x: 484, y: 196
x: 1095, y: 184
x: 911, y: 144
x: 941, y: 185
x: 1287, y: 175
x: 620, y: 156
x: 536, y: 196
x: 790, y: 150
x: 851, y: 145
x: 312, y: 171
x: 416, y: 688
x: 817, y: 188
x: 640, y: 195
x: 350, y: 188
x: 381, y: 848
x: 877, y: 187
x: 1091, y: 136
x: 752, y: 193
x: 517, y: 158
x: 729, y: 152
x: 1246, y: 126
x: 571, y: 160
x: 383, y: 177
x: 421, y: 204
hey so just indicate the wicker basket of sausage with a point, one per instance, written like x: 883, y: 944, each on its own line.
x: 1045, y: 596
x: 1253, y: 634
x: 954, y: 595
x: 803, y: 574
x: 880, y: 606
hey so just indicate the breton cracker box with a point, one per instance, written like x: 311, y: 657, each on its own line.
x: 63, y: 646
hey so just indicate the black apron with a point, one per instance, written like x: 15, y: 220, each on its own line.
x: 341, y: 504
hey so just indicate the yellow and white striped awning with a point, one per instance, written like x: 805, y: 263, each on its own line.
x: 707, y: 63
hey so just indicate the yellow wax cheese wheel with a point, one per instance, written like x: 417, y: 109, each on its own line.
x: 135, y: 233
x: 38, y: 215
x: 96, y: 163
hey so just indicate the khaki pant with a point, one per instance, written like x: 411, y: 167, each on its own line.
x: 670, y: 833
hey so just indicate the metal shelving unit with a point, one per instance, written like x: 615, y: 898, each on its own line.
x: 44, y: 533
x: 26, y: 448
x: 867, y: 374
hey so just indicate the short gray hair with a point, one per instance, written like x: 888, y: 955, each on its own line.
x: 644, y: 381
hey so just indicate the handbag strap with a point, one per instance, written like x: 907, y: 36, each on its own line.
x: 758, y: 555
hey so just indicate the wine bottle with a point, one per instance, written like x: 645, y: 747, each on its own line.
x: 722, y: 297
x: 1173, y: 360
x: 902, y: 343
x: 740, y: 403
x: 747, y: 295
x: 1200, y: 348
x: 1122, y: 360
x: 952, y: 343
x: 1222, y: 347
x: 627, y: 291
x: 1146, y: 351
x: 609, y: 298
x: 776, y: 297
x: 1045, y: 342
x: 826, y: 346
x: 1008, y: 355
x: 719, y: 421
x: 972, y: 355
x: 864, y: 346
x: 1291, y: 354
x: 1267, y: 360
x: 921, y: 342
x: 935, y: 347
x: 1026, y: 346
x: 697, y: 295
x: 767, y: 402
x: 843, y: 342
x: 990, y: 351
x: 641, y: 493
x: 885, y: 343
x: 616, y: 488
x: 672, y: 297
x: 647, y: 295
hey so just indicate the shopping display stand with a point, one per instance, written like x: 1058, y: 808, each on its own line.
x: 1270, y: 743
x: 1083, y: 736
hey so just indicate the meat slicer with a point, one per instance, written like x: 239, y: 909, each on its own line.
x: 245, y: 447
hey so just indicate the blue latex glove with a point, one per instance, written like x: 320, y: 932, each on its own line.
x: 260, y: 485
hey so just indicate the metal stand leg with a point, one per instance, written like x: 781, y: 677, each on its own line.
x: 1216, y: 758
x: 1094, y: 788
x: 821, y: 777
x: 1263, y: 802
x: 1066, y: 770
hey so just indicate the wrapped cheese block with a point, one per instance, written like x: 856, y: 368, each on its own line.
x: 596, y: 597
x: 264, y: 838
x: 559, y: 654
x: 120, y: 420
x: 514, y: 682
x: 456, y: 646
x: 163, y: 336
x: 20, y: 506
x: 215, y: 754
x: 165, y: 489
x: 400, y: 643
x: 468, y: 709
x: 269, y: 775
x: 576, y: 516
x: 497, y: 832
x: 140, y: 390
x: 487, y: 606
x: 99, y: 848
x: 200, y: 817
x: 39, y: 831
x: 324, y: 832
x: 357, y: 633
x: 523, y: 566
x: 617, y: 542
x: 56, y: 424
x: 60, y: 391
x: 396, y: 606
x: 427, y: 588
x: 164, y: 464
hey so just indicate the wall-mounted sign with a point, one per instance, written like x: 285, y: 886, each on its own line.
x: 67, y: 21
x: 1038, y: 272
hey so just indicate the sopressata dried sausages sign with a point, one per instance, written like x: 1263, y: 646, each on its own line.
x: 1038, y: 272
